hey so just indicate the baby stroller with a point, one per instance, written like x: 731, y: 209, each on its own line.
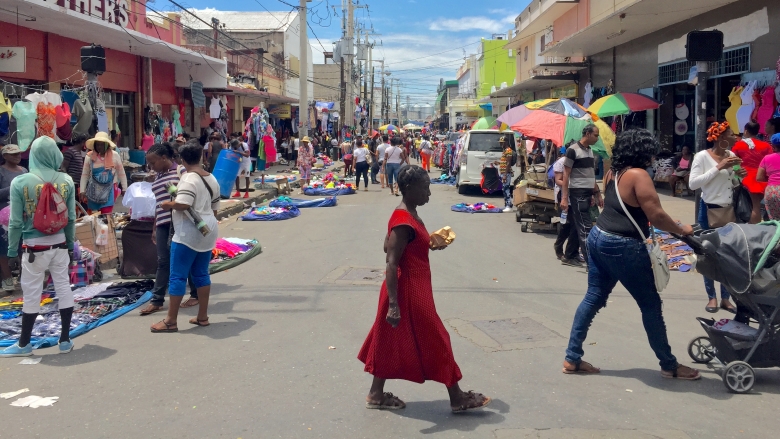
x: 744, y: 258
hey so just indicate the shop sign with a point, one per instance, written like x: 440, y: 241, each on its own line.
x: 280, y: 111
x: 566, y: 91
x: 111, y: 11
x: 13, y: 59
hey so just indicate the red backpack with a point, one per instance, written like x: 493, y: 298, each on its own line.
x: 51, y: 214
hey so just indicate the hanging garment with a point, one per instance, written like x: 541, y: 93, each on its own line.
x: 5, y: 105
x: 177, y: 125
x: 181, y: 116
x: 44, y: 106
x: 746, y: 110
x: 70, y: 98
x: 214, y: 108
x: 25, y: 115
x: 82, y: 110
x: 102, y: 121
x: 756, y: 104
x: 62, y: 113
x: 270, y: 149
x: 147, y: 141
x: 768, y: 105
x: 198, y: 98
x: 736, y: 102
x: 65, y: 132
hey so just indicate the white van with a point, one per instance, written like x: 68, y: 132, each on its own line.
x: 480, y: 147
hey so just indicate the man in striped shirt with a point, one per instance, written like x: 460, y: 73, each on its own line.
x: 579, y: 190
x: 160, y: 158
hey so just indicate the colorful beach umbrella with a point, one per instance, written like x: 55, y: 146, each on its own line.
x: 484, y: 123
x: 622, y: 103
x: 388, y: 127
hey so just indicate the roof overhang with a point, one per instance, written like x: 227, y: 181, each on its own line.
x: 49, y: 17
x: 540, y: 20
x: 637, y: 20
x: 272, y: 98
x: 534, y: 83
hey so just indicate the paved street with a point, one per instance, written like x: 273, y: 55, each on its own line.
x: 264, y: 368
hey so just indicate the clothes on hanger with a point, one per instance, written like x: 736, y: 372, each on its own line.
x: 82, y: 111
x: 45, y: 104
x: 25, y: 115
x: 214, y: 108
x: 736, y: 103
x: 768, y: 105
x: 746, y: 110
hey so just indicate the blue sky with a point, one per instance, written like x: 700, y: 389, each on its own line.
x: 421, y: 40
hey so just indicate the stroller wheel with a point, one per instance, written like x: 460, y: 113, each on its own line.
x: 700, y: 350
x: 739, y: 377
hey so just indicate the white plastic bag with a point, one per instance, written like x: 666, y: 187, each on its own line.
x: 101, y: 235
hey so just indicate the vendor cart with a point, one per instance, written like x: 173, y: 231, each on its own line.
x: 537, y: 216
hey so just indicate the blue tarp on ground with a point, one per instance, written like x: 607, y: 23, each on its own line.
x: 474, y: 208
x: 256, y: 215
x: 38, y: 343
x: 301, y: 204
x: 328, y: 192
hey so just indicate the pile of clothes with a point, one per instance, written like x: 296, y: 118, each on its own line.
x: 676, y: 251
x: 300, y: 204
x: 231, y: 252
x: 268, y: 213
x: 444, y: 179
x: 95, y: 305
x: 476, y: 208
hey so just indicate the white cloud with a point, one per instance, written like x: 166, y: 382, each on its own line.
x: 469, y: 23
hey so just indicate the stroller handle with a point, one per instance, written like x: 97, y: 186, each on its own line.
x: 693, y: 241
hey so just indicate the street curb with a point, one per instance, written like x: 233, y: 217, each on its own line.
x: 261, y: 196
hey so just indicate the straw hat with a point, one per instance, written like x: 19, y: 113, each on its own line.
x: 306, y: 139
x: 100, y: 137
x: 11, y: 149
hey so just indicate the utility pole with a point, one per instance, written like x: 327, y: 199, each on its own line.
x: 303, y: 74
x: 382, y: 107
x: 398, y: 101
x: 365, y: 87
x: 349, y: 109
x: 343, y: 92
x: 215, y: 26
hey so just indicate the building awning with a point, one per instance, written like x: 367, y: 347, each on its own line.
x: 438, y: 99
x: 540, y: 21
x: 534, y: 83
x: 629, y: 23
x: 272, y: 98
x: 48, y: 17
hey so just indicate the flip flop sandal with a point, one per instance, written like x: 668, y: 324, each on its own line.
x: 673, y: 374
x: 168, y: 328
x: 145, y: 312
x: 485, y: 401
x: 578, y: 369
x: 197, y: 321
x: 184, y: 305
x: 388, y: 398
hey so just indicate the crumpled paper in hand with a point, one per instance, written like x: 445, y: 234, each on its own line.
x: 34, y: 401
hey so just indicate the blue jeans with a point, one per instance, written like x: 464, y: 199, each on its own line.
x: 391, y: 172
x: 186, y: 261
x: 162, y: 233
x: 613, y: 259
x: 709, y: 284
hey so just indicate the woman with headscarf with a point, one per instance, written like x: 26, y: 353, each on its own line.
x: 41, y: 252
x: 101, y: 174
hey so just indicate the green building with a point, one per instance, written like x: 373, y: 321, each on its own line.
x: 496, y: 65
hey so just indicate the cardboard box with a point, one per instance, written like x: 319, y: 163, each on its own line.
x: 540, y: 194
x: 519, y: 196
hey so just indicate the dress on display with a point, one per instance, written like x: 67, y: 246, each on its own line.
x: 752, y: 151
x: 736, y: 103
x: 25, y: 115
x: 746, y: 110
x: 419, y: 348
x: 768, y: 105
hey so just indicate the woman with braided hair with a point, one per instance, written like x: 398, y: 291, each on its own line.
x: 712, y: 171
x: 408, y: 340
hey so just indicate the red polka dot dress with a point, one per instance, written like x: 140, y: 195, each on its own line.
x: 419, y: 348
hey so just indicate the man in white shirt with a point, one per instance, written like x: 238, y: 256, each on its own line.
x: 565, y: 230
x: 380, y: 157
x: 296, y: 145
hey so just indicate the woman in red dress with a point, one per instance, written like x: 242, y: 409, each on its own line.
x: 752, y: 151
x: 408, y: 340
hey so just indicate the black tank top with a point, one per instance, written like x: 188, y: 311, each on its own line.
x: 614, y: 220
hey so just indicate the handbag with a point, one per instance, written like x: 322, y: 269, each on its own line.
x: 720, y: 216
x: 742, y: 204
x: 99, y: 192
x: 658, y: 260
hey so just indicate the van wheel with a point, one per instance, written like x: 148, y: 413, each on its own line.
x: 462, y: 190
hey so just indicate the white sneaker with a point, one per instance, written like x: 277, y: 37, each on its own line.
x: 508, y: 210
x: 8, y: 284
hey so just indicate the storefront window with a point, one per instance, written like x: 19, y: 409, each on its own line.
x: 119, y: 107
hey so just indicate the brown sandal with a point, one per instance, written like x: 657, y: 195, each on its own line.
x: 151, y: 309
x: 197, y: 321
x: 688, y: 374
x: 168, y: 327
x: 187, y: 304
x: 476, y: 401
x: 581, y: 368
x: 389, y: 402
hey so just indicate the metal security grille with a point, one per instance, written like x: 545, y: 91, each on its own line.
x: 733, y: 62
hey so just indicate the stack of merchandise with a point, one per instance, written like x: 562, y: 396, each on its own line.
x: 95, y: 305
x: 476, y: 208
x: 676, y: 251
x: 231, y: 252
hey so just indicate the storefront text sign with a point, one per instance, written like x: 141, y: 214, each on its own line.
x: 281, y: 111
x: 566, y: 91
x: 13, y: 59
x: 111, y: 11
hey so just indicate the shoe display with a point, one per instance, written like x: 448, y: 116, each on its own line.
x: 16, y: 351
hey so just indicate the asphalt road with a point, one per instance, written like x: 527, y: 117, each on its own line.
x: 264, y: 368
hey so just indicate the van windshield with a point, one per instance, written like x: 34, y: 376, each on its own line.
x: 488, y: 142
